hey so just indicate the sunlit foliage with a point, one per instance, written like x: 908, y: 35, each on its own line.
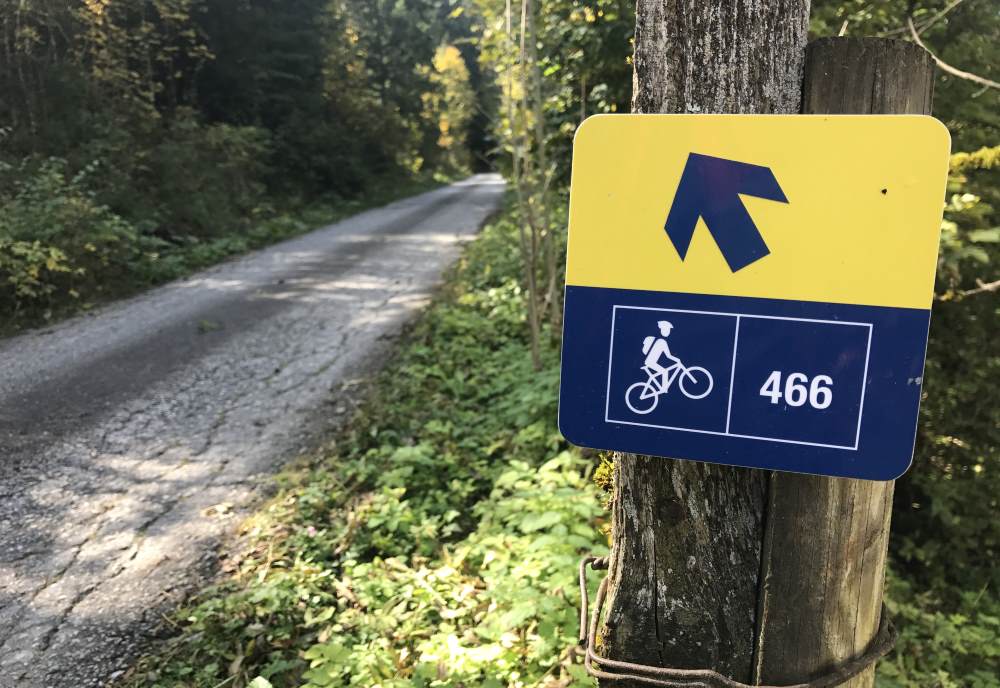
x: 205, y: 120
x: 431, y: 545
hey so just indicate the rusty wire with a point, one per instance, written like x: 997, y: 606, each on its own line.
x: 666, y: 677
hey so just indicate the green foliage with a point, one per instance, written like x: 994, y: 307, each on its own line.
x: 493, y: 609
x: 55, y: 237
x: 209, y: 119
x: 969, y: 235
x: 942, y: 645
x: 583, y: 56
x: 435, y: 543
x: 205, y: 180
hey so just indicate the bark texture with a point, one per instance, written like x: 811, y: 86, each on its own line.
x: 823, y: 559
x: 684, y: 564
x: 715, y: 56
x: 686, y: 554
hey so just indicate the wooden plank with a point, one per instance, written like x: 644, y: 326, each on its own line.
x: 823, y: 558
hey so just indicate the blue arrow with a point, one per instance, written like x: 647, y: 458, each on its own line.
x: 710, y: 189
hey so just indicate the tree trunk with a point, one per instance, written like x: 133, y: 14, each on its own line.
x: 685, y: 559
x: 823, y: 560
x: 715, y: 56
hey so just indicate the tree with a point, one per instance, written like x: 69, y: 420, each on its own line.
x: 687, y: 536
x: 449, y: 106
x: 197, y: 118
x: 554, y: 62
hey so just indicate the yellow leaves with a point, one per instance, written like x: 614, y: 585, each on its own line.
x: 97, y: 7
x: 22, y: 263
x: 587, y: 14
x: 451, y: 102
x: 52, y: 263
x: 985, y: 158
x: 513, y: 87
x: 448, y: 58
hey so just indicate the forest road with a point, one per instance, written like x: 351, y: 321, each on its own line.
x: 131, y: 439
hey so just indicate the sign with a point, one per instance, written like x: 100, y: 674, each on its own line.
x: 752, y: 290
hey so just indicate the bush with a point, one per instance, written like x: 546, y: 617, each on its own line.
x: 64, y: 246
x: 56, y: 239
x: 204, y: 180
x: 953, y: 644
x: 497, y: 609
x: 28, y: 268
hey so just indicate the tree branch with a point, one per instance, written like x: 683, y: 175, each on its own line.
x: 944, y: 66
x: 939, y: 16
x: 927, y: 24
x: 983, y: 287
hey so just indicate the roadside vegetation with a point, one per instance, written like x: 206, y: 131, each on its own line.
x: 142, y: 140
x: 436, y: 541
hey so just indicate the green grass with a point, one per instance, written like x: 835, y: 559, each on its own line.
x: 435, y: 542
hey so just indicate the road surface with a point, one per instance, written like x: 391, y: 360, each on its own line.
x: 131, y: 439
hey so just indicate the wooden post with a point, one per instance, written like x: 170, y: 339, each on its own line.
x: 764, y: 577
x: 825, y: 540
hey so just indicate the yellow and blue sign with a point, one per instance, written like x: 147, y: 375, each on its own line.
x: 752, y: 290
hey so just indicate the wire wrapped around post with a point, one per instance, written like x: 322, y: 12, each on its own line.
x: 667, y: 677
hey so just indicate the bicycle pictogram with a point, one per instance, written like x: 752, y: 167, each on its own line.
x: 695, y: 382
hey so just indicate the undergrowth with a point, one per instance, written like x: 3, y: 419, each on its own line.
x: 435, y: 543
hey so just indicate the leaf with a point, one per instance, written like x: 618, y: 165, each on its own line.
x: 534, y: 522
x: 985, y: 236
x: 518, y: 614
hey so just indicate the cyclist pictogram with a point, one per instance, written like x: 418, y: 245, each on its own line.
x: 695, y: 382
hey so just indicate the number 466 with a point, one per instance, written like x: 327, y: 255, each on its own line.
x: 818, y: 393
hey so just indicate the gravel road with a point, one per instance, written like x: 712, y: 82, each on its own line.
x: 132, y: 439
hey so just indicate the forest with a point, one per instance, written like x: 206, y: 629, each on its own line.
x: 142, y: 140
